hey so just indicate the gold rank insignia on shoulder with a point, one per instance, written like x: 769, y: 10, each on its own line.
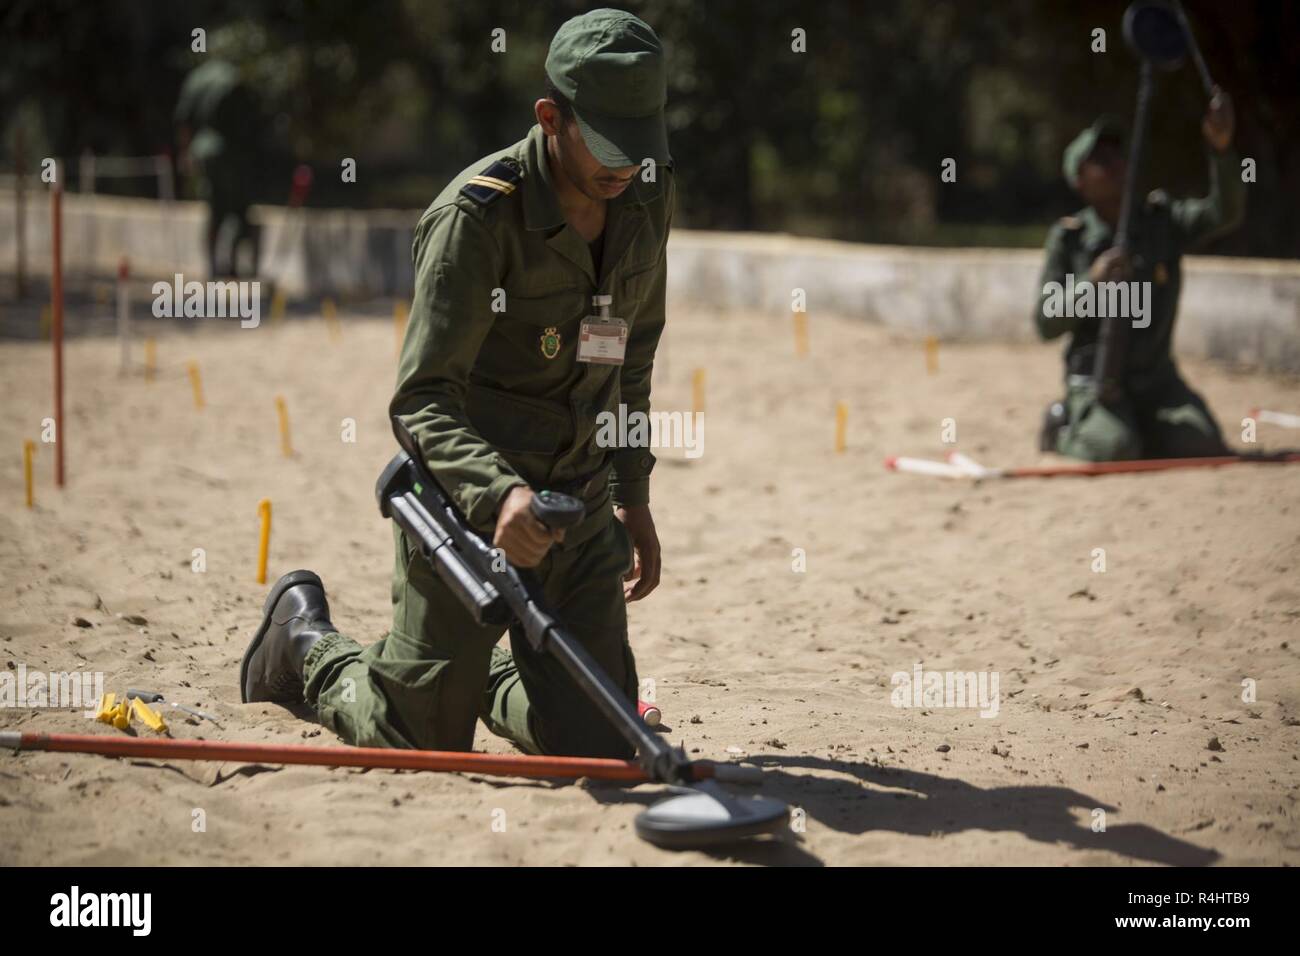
x: 499, y: 179
x: 550, y: 342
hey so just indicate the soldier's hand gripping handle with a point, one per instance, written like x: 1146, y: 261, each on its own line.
x: 557, y: 511
x: 528, y: 524
x: 1220, y: 121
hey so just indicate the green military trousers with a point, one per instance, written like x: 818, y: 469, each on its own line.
x: 426, y: 683
x: 226, y: 188
x: 1165, y: 419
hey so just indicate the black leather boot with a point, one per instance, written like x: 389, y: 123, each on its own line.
x: 295, y: 616
x: 1054, y: 419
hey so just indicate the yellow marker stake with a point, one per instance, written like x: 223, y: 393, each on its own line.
x: 286, y: 446
x: 801, y: 334
x: 150, y: 717
x: 119, y: 716
x: 197, y: 382
x: 698, y: 385
x: 150, y: 359
x: 841, y: 425
x: 277, y: 306
x: 331, y: 314
x: 264, y: 541
x: 932, y: 354
x: 107, y: 708
x: 29, y: 450
x: 399, y: 321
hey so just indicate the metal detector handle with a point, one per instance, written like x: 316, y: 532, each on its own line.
x: 1137, y: 150
x: 1194, y: 48
x: 556, y: 510
x: 421, y: 513
x: 1112, y: 342
x: 406, y: 439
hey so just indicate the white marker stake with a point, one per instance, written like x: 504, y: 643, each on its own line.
x: 1285, y: 419
x: 923, y: 466
x: 971, y: 467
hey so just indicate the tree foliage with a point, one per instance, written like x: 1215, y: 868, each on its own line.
x: 845, y: 139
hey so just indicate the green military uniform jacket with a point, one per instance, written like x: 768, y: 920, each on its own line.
x: 489, y: 381
x: 1163, y: 229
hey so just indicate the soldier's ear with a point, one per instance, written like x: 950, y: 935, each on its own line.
x: 548, y: 116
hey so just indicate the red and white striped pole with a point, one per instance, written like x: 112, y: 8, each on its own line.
x: 505, y: 765
x: 650, y: 713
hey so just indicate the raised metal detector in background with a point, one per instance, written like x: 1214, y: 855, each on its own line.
x: 1153, y: 31
x: 1206, y: 80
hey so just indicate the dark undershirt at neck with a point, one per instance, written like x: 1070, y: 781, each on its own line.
x: 597, y: 248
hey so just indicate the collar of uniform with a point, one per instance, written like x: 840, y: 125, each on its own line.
x: 1096, y: 233
x: 645, y: 192
x: 541, y: 208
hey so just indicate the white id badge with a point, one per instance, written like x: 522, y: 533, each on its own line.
x: 602, y: 340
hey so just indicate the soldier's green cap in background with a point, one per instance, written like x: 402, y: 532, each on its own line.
x: 1106, y: 128
x: 610, y: 67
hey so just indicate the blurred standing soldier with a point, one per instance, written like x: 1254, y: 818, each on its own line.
x: 1157, y: 416
x: 217, y: 130
x: 504, y: 382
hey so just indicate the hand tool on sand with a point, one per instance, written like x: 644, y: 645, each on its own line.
x: 153, y: 697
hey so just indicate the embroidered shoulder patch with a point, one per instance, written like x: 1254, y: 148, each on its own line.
x: 499, y: 179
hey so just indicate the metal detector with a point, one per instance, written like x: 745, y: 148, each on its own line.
x: 1207, y: 81
x: 703, y: 813
x: 1156, y: 33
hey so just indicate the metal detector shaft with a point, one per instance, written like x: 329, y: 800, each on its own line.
x: 1206, y: 80
x: 497, y: 593
x: 1112, y: 344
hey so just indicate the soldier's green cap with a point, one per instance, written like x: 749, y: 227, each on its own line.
x: 1105, y: 129
x: 610, y: 67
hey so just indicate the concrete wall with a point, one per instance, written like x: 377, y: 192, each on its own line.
x: 1236, y: 310
x: 308, y: 252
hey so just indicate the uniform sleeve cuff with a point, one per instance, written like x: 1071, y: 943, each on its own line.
x: 630, y: 492
x: 483, y: 514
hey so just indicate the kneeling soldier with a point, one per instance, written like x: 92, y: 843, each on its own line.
x: 505, y: 368
x: 1157, y: 415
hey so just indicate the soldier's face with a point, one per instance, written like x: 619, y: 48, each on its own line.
x: 591, y: 178
x: 1101, y: 175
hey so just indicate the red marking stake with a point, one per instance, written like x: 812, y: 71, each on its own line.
x: 56, y: 332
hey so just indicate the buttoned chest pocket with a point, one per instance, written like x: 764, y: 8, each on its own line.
x: 634, y: 292
x: 541, y: 311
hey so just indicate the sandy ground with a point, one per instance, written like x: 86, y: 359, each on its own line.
x: 1112, y: 684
